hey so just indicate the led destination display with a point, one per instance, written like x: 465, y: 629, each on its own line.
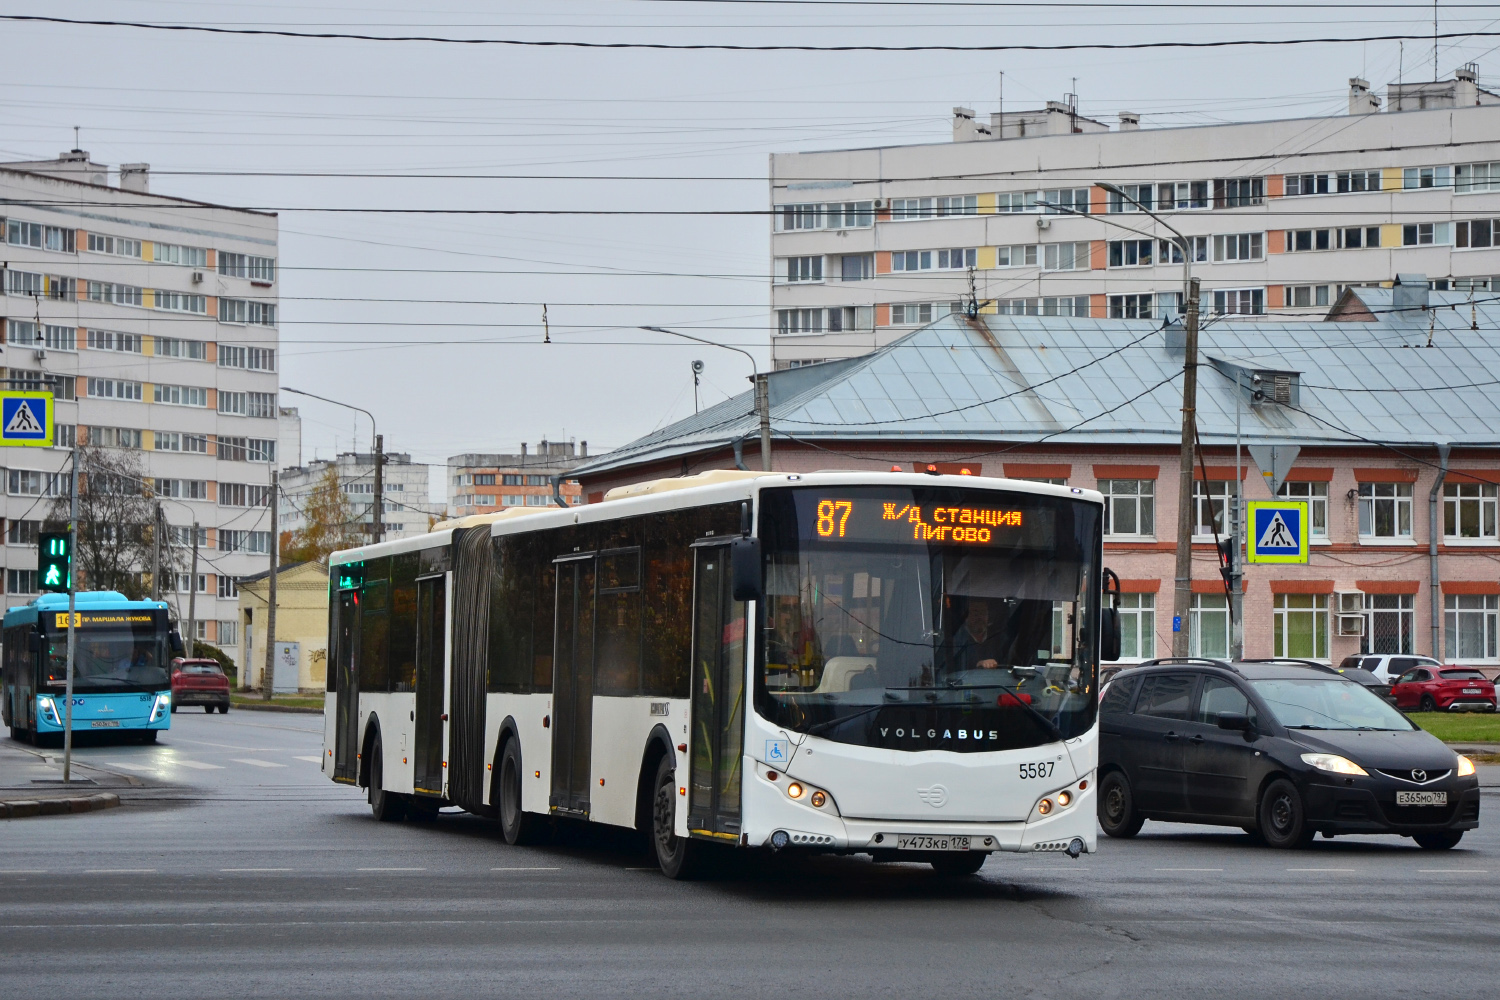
x: 874, y: 519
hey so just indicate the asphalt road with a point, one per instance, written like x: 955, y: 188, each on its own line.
x: 253, y: 876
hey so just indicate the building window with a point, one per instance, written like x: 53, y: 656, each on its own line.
x: 1315, y: 495
x: 23, y: 234
x: 1413, y: 178
x: 1137, y: 626
x: 20, y: 581
x: 956, y: 259
x: 913, y: 208
x: 182, y: 583
x: 959, y: 204
x: 120, y: 295
x: 183, y: 489
x: 227, y: 586
x: 1131, y: 253
x: 240, y: 265
x: 108, y: 340
x: 856, y: 267
x: 1134, y: 193
x: 1238, y: 192
x: 1476, y: 233
x: 1301, y: 184
x: 180, y: 302
x: 1358, y: 180
x: 1308, y: 296
x: 111, y: 388
x: 1385, y: 510
x: 172, y: 253
x: 1240, y: 301
x: 19, y: 532
x: 913, y: 313
x: 1359, y: 237
x: 179, y: 395
x: 228, y: 634
x: 1469, y: 510
x: 1239, y: 247
x: 247, y: 311
x: 1170, y: 252
x: 1138, y: 306
x: 177, y: 441
x: 1020, y: 255
x: 254, y: 542
x: 1299, y: 626
x: 1421, y: 234
x: 119, y: 246
x: 171, y: 347
x: 1129, y: 506
x: 484, y: 479
x: 1208, y: 626
x: 1182, y: 195
x: 261, y: 404
x: 804, y: 269
x: 1065, y: 256
x: 1390, y: 624
x: 1469, y: 626
x: 115, y: 437
x: 243, y: 495
x: 1211, y: 500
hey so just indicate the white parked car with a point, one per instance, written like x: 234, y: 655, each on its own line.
x: 1388, y: 667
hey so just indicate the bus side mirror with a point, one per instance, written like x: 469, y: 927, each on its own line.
x: 174, y: 639
x: 744, y: 566
x: 1109, y: 634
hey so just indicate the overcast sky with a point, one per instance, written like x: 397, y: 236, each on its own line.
x: 434, y: 321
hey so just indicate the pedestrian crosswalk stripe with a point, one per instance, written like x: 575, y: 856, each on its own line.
x: 199, y: 765
x: 255, y: 763
x: 312, y: 760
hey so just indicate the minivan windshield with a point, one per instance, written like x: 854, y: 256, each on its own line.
x: 1327, y: 703
x: 922, y: 619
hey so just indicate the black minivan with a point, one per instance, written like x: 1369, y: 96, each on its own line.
x: 1283, y: 750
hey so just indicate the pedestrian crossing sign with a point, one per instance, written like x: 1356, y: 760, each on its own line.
x: 26, y: 419
x: 1278, y: 532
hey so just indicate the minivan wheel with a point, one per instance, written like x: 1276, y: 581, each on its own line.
x: 1117, y: 814
x: 1438, y: 841
x: 1283, y: 818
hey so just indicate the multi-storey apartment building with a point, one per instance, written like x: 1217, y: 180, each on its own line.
x: 155, y: 319
x: 1015, y: 217
x: 407, y: 510
x: 485, y: 483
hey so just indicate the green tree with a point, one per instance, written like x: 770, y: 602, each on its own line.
x: 328, y: 523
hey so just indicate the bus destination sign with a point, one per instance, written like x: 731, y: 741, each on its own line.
x: 888, y: 521
x: 83, y: 619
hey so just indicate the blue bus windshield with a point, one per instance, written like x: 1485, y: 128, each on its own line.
x: 108, y: 659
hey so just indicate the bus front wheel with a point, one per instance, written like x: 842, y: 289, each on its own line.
x: 387, y: 806
x: 518, y: 827
x: 679, y: 857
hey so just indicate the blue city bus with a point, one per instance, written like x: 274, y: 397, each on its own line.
x: 121, y: 669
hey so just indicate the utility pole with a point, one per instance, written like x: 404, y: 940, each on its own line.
x: 379, y: 526
x: 268, y: 675
x: 1182, y: 597
x: 72, y: 606
x: 192, y: 623
x: 156, y: 553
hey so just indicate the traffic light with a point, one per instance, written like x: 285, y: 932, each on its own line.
x: 54, y: 561
x: 352, y: 576
x: 1227, y: 551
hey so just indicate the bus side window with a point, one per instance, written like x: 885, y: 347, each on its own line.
x: 542, y: 576
x: 617, y: 657
x: 512, y: 614
x: 403, y: 618
x: 374, y: 634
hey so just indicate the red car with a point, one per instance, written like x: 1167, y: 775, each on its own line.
x: 1447, y: 689
x: 200, y: 682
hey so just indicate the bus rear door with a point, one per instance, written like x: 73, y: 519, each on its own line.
x: 431, y: 614
x: 573, y: 685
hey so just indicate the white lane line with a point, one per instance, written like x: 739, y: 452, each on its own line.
x: 255, y: 763
x: 390, y: 869
x: 199, y: 765
x: 310, y: 760
x: 1457, y: 871
x: 119, y: 871
x: 525, y: 869
x: 131, y: 767
x: 1187, y: 869
x: 23, y: 871
x: 1322, y: 869
x: 257, y: 869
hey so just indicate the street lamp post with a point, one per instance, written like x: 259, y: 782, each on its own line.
x: 1182, y: 595
x: 762, y: 390
x: 377, y: 517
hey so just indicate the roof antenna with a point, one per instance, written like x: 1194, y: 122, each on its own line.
x: 77, y: 142
x: 546, y: 330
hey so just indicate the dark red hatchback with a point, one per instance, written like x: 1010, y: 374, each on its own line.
x: 1444, y: 689
x: 200, y: 682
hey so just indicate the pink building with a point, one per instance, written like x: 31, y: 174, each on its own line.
x: 1391, y: 401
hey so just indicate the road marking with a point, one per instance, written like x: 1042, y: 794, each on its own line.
x: 525, y: 869
x: 257, y: 869
x: 1457, y: 871
x: 311, y: 760
x: 23, y: 871
x: 390, y: 869
x: 255, y: 763
x: 1187, y: 869
x: 119, y: 871
x: 650, y: 869
x: 199, y: 765
x: 1322, y: 869
x: 131, y: 767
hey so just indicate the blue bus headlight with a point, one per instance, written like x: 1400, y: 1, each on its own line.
x: 48, y: 709
x: 163, y: 704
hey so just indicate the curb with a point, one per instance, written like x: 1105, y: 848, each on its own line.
x: 295, y: 709
x: 18, y: 808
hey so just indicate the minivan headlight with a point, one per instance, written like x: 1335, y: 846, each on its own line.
x: 1332, y: 762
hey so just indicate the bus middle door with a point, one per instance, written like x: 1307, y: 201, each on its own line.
x: 718, y: 665
x: 573, y: 684
x: 346, y: 701
x: 432, y: 612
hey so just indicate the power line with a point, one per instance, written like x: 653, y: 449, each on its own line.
x: 730, y: 47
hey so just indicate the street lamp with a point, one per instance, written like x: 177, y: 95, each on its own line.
x: 762, y: 392
x: 1183, y: 593
x: 377, y: 528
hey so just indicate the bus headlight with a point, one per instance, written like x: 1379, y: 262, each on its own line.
x: 48, y: 709
x: 163, y: 704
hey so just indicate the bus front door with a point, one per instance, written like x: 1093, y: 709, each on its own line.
x: 346, y: 702
x: 718, y: 698
x: 573, y: 685
x: 431, y: 638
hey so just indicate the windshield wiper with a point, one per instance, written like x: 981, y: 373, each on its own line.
x: 810, y: 730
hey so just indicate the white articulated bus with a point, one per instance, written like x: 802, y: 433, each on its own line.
x: 897, y: 664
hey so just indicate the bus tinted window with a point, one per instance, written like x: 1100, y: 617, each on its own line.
x: 511, y: 614
x: 617, y: 657
x: 669, y: 582
x: 403, y: 629
x: 374, y: 626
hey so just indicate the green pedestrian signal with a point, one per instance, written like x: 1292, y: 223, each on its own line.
x: 54, y: 562
x: 352, y: 576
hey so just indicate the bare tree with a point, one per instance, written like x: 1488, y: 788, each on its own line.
x: 115, y: 520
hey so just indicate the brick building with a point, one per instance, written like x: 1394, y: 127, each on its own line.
x: 485, y: 483
x: 1390, y: 399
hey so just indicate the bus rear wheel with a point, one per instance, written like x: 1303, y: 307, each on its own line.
x: 388, y: 807
x: 518, y: 827
x: 679, y: 857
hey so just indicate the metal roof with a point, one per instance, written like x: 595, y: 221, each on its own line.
x: 1033, y: 379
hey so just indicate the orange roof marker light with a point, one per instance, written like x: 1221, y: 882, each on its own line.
x: 895, y: 468
x: 965, y: 472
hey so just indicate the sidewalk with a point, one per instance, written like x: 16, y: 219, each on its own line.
x: 31, y: 783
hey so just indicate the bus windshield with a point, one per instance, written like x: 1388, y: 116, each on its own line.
x: 929, y: 619
x: 108, y: 660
